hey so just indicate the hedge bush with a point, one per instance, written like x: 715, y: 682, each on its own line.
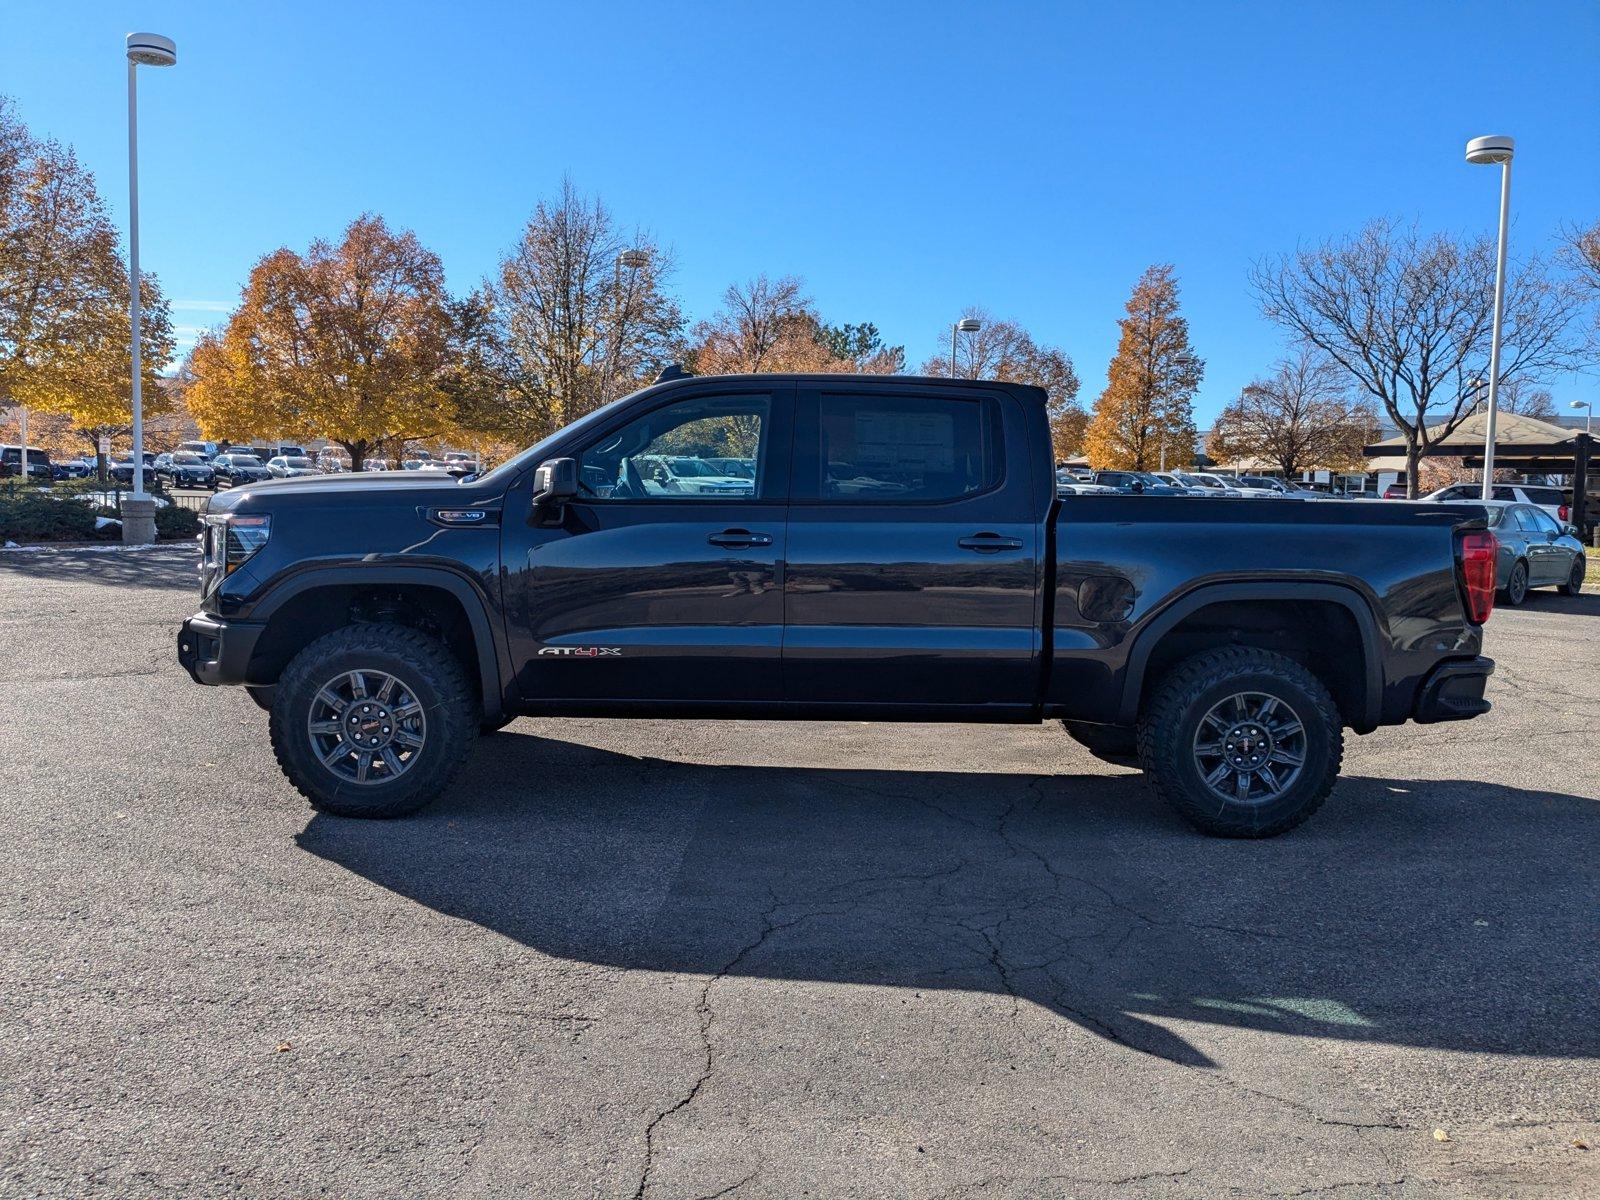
x: 29, y: 515
x: 175, y: 522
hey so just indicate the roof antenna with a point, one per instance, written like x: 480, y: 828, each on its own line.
x: 673, y: 371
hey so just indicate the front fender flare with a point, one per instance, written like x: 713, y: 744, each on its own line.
x: 491, y: 651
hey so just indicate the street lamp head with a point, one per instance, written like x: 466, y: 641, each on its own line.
x: 152, y: 50
x: 1581, y: 404
x: 969, y: 325
x: 1487, y: 151
x: 633, y: 259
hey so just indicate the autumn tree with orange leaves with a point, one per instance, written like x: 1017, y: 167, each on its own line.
x: 347, y: 342
x: 1146, y: 414
x: 65, y: 333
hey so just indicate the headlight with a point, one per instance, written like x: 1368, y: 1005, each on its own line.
x: 230, y: 540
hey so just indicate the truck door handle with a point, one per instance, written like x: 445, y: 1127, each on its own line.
x: 989, y: 543
x: 739, y: 539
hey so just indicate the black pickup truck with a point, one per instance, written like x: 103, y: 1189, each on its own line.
x: 831, y: 546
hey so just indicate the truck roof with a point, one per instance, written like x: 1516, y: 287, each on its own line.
x: 1021, y: 389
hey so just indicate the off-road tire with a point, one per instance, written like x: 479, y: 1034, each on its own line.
x: 262, y: 695
x: 1574, y: 584
x: 1181, y: 701
x: 1116, y: 744
x: 1516, y: 589
x: 426, y: 667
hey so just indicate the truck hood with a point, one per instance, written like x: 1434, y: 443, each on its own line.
x: 318, y: 491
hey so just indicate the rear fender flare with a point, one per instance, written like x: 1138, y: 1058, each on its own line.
x: 1353, y: 601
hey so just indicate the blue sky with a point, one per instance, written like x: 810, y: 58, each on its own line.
x: 905, y: 159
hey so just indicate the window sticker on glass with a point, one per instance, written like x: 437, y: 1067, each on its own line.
x: 920, y: 441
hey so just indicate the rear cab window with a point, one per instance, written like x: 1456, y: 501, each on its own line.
x: 866, y: 448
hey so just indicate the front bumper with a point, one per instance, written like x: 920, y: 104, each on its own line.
x: 1453, y: 691
x: 216, y: 651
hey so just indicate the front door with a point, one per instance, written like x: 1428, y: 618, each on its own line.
x: 912, y: 550
x: 661, y: 581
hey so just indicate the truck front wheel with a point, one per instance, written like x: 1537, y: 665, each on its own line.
x: 372, y: 720
x: 1242, y: 742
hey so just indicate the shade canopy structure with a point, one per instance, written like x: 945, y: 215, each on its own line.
x: 1521, y: 443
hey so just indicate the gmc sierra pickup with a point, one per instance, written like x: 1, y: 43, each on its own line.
x: 883, y: 548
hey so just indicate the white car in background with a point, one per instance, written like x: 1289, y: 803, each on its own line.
x: 291, y: 466
x: 664, y: 474
x: 1241, y: 487
x: 1280, y: 488
x: 1203, y: 485
x: 1550, y: 499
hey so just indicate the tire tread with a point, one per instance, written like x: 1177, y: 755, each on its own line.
x: 1181, y: 688
x: 456, y: 717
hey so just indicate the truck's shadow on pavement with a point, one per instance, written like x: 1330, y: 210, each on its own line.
x: 1427, y: 915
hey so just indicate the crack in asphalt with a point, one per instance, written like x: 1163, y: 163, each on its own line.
x: 990, y: 1181
x: 732, y: 1187
x: 707, y: 1017
x: 990, y: 930
x: 1355, y: 1183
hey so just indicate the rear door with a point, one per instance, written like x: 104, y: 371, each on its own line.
x: 912, y: 549
x: 655, y: 589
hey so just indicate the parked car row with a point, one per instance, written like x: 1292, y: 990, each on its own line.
x: 1180, y: 483
x: 191, y: 467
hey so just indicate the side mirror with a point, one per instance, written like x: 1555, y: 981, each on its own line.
x: 555, y: 481
x: 1137, y: 486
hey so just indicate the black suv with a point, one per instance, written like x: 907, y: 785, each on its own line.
x: 231, y: 469
x: 183, y: 469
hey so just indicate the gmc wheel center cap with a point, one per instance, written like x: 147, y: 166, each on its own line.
x: 369, y: 726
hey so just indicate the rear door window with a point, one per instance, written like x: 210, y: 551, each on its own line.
x: 1543, y: 495
x: 1543, y: 522
x: 906, y: 448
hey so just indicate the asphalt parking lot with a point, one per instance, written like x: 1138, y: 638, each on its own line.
x: 659, y: 959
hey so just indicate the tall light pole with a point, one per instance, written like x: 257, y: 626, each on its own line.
x: 144, y: 50
x: 965, y: 325
x: 1588, y: 417
x: 1487, y: 151
x: 632, y: 260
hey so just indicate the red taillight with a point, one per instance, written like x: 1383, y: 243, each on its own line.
x: 1564, y: 513
x: 1478, y: 553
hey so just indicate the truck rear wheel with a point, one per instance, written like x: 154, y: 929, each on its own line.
x: 1242, y: 742
x: 373, y: 720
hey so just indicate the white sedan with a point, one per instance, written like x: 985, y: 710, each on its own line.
x: 291, y: 466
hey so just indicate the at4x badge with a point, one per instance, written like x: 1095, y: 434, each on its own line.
x: 583, y: 651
